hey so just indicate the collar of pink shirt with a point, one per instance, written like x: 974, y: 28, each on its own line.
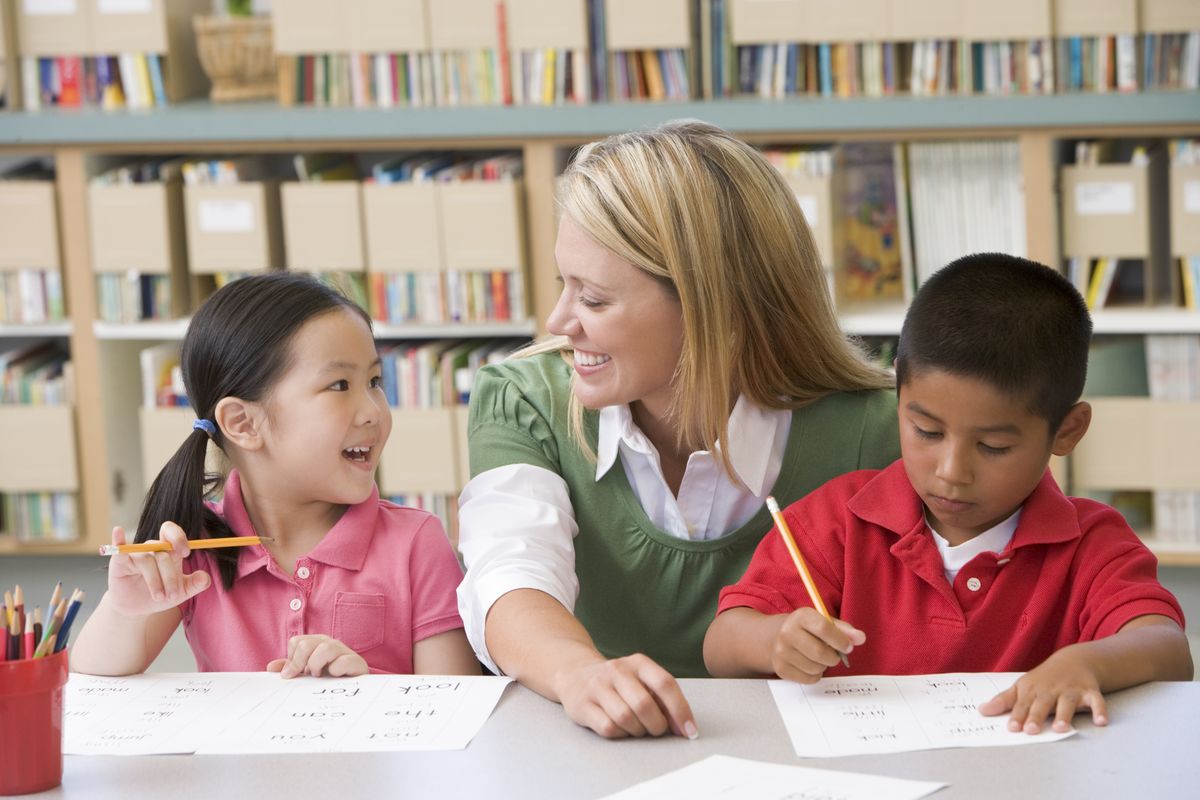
x: 345, y: 545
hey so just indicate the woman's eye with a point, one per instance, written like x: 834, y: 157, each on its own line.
x: 589, y: 303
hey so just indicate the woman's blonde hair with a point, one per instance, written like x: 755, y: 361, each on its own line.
x: 711, y: 218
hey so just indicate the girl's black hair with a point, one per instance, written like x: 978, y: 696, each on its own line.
x: 237, y: 345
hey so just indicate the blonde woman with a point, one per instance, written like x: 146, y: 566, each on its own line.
x: 619, y: 471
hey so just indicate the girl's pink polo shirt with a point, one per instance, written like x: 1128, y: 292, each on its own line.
x: 383, y: 578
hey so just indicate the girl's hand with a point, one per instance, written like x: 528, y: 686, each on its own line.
x: 807, y: 644
x: 317, y: 655
x: 141, y: 584
x: 1062, y: 684
x: 630, y: 696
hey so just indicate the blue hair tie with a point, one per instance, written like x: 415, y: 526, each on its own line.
x: 206, y: 426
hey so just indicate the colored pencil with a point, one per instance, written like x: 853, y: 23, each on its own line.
x: 28, y: 645
x: 159, y: 546
x: 801, y: 567
x: 64, y: 632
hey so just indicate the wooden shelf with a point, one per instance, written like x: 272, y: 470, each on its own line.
x: 205, y: 123
x: 36, y: 329
x: 174, y: 330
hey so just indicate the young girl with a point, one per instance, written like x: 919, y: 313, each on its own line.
x: 283, y: 375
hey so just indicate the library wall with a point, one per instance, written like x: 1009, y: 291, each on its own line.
x: 890, y: 127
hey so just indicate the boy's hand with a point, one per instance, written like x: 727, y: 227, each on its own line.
x: 807, y: 644
x: 1062, y: 684
x: 317, y: 655
x: 141, y: 584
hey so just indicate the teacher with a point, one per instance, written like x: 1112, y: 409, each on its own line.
x: 619, y: 470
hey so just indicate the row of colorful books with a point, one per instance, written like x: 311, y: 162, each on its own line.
x: 30, y: 296
x: 128, y: 80
x: 439, y: 373
x: 133, y: 296
x: 33, y: 517
x: 453, y: 296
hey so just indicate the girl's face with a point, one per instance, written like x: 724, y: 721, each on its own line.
x: 625, y: 326
x: 327, y: 417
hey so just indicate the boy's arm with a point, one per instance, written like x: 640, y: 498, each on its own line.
x: 744, y: 643
x: 1147, y: 648
x: 739, y: 641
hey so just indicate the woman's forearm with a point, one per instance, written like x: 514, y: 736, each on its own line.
x: 534, y: 639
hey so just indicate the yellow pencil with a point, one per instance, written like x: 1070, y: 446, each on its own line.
x: 159, y: 546
x: 801, y: 567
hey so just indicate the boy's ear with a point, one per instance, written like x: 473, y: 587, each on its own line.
x: 240, y: 422
x: 1072, y: 429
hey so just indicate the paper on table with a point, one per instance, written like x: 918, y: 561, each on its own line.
x: 259, y: 712
x: 722, y: 777
x: 371, y: 712
x: 892, y: 714
x: 153, y: 713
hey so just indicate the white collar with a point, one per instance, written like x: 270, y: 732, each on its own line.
x: 751, y: 435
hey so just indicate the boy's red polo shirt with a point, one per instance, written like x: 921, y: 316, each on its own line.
x: 1073, y: 572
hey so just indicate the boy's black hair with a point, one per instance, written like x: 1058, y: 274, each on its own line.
x: 1014, y: 323
x: 237, y: 345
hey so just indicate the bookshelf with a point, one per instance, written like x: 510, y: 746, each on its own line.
x: 81, y: 142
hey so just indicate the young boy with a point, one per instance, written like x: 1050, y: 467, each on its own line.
x: 964, y: 556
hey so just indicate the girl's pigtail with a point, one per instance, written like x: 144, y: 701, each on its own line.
x: 177, y: 495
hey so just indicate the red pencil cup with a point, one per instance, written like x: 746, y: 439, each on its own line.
x: 31, y: 706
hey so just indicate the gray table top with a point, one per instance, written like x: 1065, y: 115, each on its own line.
x: 530, y: 750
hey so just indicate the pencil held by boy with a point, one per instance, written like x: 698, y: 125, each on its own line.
x: 964, y: 555
x: 285, y: 379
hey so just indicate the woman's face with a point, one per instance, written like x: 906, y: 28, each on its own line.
x: 625, y: 326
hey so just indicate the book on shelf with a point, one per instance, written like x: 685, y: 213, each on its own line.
x: 965, y: 197
x: 162, y: 378
x: 38, y: 375
x: 873, y: 260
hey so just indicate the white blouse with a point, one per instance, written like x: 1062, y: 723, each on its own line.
x: 516, y: 523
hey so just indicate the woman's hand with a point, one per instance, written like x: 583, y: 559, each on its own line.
x: 808, y: 644
x: 630, y: 696
x: 140, y: 584
x: 317, y: 655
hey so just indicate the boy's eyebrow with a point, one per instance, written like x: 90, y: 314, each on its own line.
x: 1004, y: 427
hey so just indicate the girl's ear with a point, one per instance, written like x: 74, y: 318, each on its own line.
x: 1072, y: 429
x: 240, y: 422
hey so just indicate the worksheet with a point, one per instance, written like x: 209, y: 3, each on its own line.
x: 152, y: 713
x: 259, y: 712
x: 892, y: 714
x: 371, y: 712
x: 724, y: 777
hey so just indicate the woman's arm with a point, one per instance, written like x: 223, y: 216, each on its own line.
x: 541, y: 644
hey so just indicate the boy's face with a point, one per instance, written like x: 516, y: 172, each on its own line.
x: 972, y: 452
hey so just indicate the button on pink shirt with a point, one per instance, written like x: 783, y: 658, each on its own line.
x: 383, y: 578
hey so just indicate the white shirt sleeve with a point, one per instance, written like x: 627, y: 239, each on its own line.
x: 516, y: 531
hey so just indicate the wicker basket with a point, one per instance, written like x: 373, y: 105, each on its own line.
x: 238, y: 56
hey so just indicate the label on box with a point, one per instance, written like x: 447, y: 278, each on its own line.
x: 226, y: 216
x: 46, y: 8
x: 124, y: 6
x: 1191, y: 197
x: 1101, y: 198
x: 808, y: 206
